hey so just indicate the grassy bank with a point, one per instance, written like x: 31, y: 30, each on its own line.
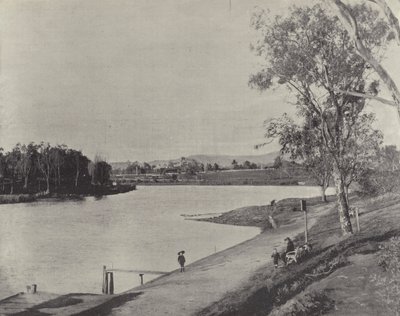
x: 282, y: 212
x: 16, y: 198
x: 300, y: 289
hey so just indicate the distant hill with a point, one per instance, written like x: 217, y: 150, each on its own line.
x: 221, y: 160
x: 226, y: 160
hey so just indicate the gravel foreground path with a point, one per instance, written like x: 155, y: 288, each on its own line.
x: 208, y: 280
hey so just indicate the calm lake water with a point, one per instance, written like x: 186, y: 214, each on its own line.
x: 62, y: 246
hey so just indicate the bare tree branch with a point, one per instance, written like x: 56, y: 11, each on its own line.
x: 366, y: 96
x: 350, y: 24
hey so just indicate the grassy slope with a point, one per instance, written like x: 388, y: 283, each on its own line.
x: 286, y: 291
x: 284, y: 212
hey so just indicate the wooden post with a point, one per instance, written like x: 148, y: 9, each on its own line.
x: 303, y: 206
x: 357, y: 220
x: 141, y: 278
x: 104, y: 287
x: 111, y: 288
x: 106, y: 283
x: 272, y: 221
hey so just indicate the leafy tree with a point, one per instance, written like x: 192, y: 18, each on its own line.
x: 146, y: 167
x: 247, y: 165
x: 44, y: 163
x: 216, y: 167
x: 3, y: 167
x: 235, y: 164
x: 12, y: 161
x: 389, y: 157
x: 383, y: 175
x: 362, y: 149
x: 27, y: 161
x: 311, y: 54
x: 100, y: 171
x: 75, y: 167
x: 303, y: 143
x: 277, y: 162
x: 57, y: 159
x: 253, y: 166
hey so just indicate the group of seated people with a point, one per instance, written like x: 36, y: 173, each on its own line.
x: 291, y: 254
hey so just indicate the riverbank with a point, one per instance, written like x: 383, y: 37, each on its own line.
x: 25, y: 198
x: 279, y: 213
x: 343, y: 275
x: 205, y: 281
x: 241, y: 280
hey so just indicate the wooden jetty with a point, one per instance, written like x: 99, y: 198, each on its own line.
x: 108, y: 277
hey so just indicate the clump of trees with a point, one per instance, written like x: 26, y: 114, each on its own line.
x: 44, y: 168
x: 312, y: 54
x: 246, y: 165
x: 212, y: 167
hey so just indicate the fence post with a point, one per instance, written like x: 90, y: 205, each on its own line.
x: 111, y: 289
x: 104, y: 287
x: 358, y: 222
x: 303, y: 206
x: 106, y: 290
x: 141, y: 278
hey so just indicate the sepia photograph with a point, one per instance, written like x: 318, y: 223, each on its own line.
x: 200, y: 157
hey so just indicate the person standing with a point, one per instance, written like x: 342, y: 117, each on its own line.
x: 181, y: 260
x: 289, y: 245
x: 275, y: 256
x: 289, y: 248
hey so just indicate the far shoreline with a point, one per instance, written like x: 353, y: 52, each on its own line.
x: 29, y: 198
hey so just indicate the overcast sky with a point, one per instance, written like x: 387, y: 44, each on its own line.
x: 138, y: 80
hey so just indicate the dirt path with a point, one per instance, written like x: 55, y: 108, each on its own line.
x: 207, y: 280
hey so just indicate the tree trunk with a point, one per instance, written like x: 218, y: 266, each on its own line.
x: 76, y: 178
x: 12, y: 186
x: 47, y: 185
x: 323, y: 195
x: 26, y: 183
x: 346, y: 192
x: 343, y: 210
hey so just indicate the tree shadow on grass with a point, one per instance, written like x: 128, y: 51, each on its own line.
x: 106, y: 307
x: 69, y: 300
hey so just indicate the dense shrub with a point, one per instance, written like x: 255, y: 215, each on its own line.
x: 376, y: 182
x: 388, y: 283
x: 305, y: 304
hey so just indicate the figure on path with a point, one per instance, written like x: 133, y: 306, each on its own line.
x: 289, y: 248
x: 181, y: 260
x: 275, y: 255
x: 289, y: 245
